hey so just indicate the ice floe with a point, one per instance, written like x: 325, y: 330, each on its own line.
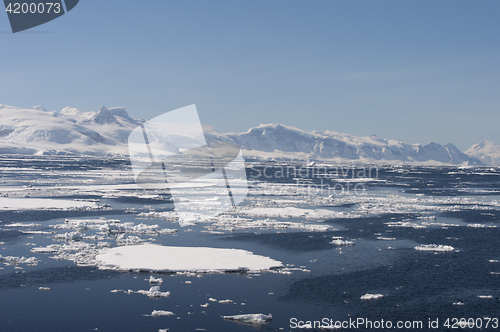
x: 290, y: 212
x: 434, y: 247
x: 158, y: 313
x: 14, y: 260
x: 481, y: 226
x: 386, y: 238
x: 368, y: 296
x: 338, y: 241
x: 485, y: 296
x: 250, y: 318
x: 152, y: 280
x: 226, y: 301
x: 19, y: 224
x: 150, y: 257
x: 15, y: 203
x: 154, y: 292
x: 233, y: 224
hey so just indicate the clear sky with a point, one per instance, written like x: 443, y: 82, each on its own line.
x: 415, y: 71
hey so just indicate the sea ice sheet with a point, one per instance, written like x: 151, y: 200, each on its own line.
x: 151, y: 257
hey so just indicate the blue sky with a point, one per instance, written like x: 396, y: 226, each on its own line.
x: 415, y: 71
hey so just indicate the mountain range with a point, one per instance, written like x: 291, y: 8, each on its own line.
x: 38, y: 131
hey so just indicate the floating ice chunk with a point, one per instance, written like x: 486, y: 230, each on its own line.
x: 157, y: 313
x: 250, y: 318
x: 204, y: 305
x: 20, y: 224
x: 289, y: 212
x: 71, y: 236
x: 154, y: 292
x: 43, y: 204
x: 153, y: 280
x: 44, y: 288
x: 485, y: 296
x: 339, y: 242
x: 434, y: 247
x: 427, y: 217
x: 51, y: 248
x: 233, y: 224
x: 386, y: 238
x: 150, y: 257
x: 226, y: 301
x: 368, y: 296
x: 8, y: 260
x: 481, y: 226
x: 211, y: 299
x: 458, y: 303
x: 129, y: 240
x: 37, y: 232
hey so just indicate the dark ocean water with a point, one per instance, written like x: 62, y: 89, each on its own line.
x: 416, y: 286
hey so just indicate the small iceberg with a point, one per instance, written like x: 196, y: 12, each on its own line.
x: 158, y: 313
x: 154, y: 292
x: 157, y: 281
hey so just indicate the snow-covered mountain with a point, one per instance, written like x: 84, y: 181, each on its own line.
x: 279, y: 141
x: 72, y: 131
x: 486, y: 151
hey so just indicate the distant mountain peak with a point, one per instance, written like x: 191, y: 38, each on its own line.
x: 3, y: 106
x: 486, y: 151
x: 104, y: 116
x: 39, y: 108
x: 122, y: 112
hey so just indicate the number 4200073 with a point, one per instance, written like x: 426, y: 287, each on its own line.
x: 33, y: 8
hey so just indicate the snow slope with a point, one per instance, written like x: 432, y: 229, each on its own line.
x: 71, y: 131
